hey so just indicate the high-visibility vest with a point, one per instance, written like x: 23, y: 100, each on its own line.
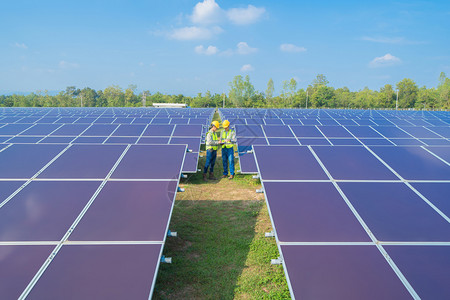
x: 227, y: 136
x: 215, y: 138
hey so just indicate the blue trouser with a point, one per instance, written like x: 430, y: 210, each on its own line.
x: 228, y: 156
x: 210, y: 160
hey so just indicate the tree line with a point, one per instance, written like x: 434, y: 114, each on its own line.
x: 242, y: 93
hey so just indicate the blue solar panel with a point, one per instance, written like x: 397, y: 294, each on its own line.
x: 393, y: 212
x: 413, y: 163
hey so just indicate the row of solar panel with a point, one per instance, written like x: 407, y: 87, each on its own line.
x: 340, y: 211
x: 103, y: 120
x: 84, y: 215
x: 332, y: 113
x: 327, y: 122
x: 342, y: 131
x: 100, y: 130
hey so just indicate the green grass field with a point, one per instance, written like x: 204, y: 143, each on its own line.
x: 220, y: 251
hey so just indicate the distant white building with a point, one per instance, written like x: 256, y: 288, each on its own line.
x: 170, y: 105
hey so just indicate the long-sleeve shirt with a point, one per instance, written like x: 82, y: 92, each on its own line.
x: 229, y: 134
x: 209, y: 139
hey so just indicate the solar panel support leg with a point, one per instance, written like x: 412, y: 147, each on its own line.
x: 255, y: 176
x: 277, y: 261
x: 172, y: 233
x: 167, y: 260
x: 270, y: 234
x: 260, y: 191
x: 180, y: 190
x: 183, y: 176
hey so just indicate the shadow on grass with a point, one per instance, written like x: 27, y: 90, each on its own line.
x: 211, y: 251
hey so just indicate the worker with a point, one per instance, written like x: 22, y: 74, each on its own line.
x: 212, y: 144
x: 228, y: 139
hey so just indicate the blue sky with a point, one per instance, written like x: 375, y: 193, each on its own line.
x: 193, y: 46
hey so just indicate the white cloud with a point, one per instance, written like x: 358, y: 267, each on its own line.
x: 20, y: 45
x: 211, y: 50
x: 247, y: 68
x: 194, y: 33
x: 384, y: 61
x: 244, y: 48
x: 244, y: 16
x: 207, y: 12
x: 68, y: 65
x: 291, y: 48
x: 391, y: 40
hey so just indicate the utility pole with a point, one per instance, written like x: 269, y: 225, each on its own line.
x: 81, y: 100
x: 144, y: 99
x: 223, y: 102
x: 396, y: 102
x: 306, y: 99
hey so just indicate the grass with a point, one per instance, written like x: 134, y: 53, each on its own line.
x: 220, y: 251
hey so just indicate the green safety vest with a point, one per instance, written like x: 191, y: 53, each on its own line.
x: 227, y: 135
x: 215, y: 138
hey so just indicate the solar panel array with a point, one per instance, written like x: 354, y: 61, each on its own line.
x: 359, y: 200
x: 84, y: 221
x: 107, y: 126
x: 86, y: 197
x: 334, y: 127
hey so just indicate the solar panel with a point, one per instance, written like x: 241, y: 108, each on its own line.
x: 159, y: 130
x: 129, y: 130
x: 44, y: 210
x: 363, y: 132
x: 442, y: 152
x: 128, y: 211
x: 13, y: 129
x: 23, y: 160
x: 19, y: 263
x: 283, y: 141
x: 311, y: 212
x: 99, y: 130
x: 306, y: 131
x: 84, y: 161
x: 163, y: 163
x: 335, y: 132
x: 340, y: 272
x: 100, y: 272
x: 414, y: 163
x: 277, y: 131
x: 436, y: 193
x: 425, y: 267
x: 41, y: 129
x: 392, y: 210
x: 70, y: 130
x: 287, y: 163
x: 420, y: 132
x: 353, y: 163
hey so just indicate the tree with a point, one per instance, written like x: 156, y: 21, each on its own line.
x: 130, y: 97
x: 407, y: 93
x: 321, y: 80
x: 386, y: 97
x: 443, y: 91
x: 114, y: 96
x: 426, y: 98
x: 288, y: 92
x: 89, y: 97
x: 241, y: 90
x: 269, y: 92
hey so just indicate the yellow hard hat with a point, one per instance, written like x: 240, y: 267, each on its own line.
x: 226, y: 123
x: 216, y: 124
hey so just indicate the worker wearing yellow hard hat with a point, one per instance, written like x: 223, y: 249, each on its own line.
x: 228, y: 139
x: 212, y: 144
